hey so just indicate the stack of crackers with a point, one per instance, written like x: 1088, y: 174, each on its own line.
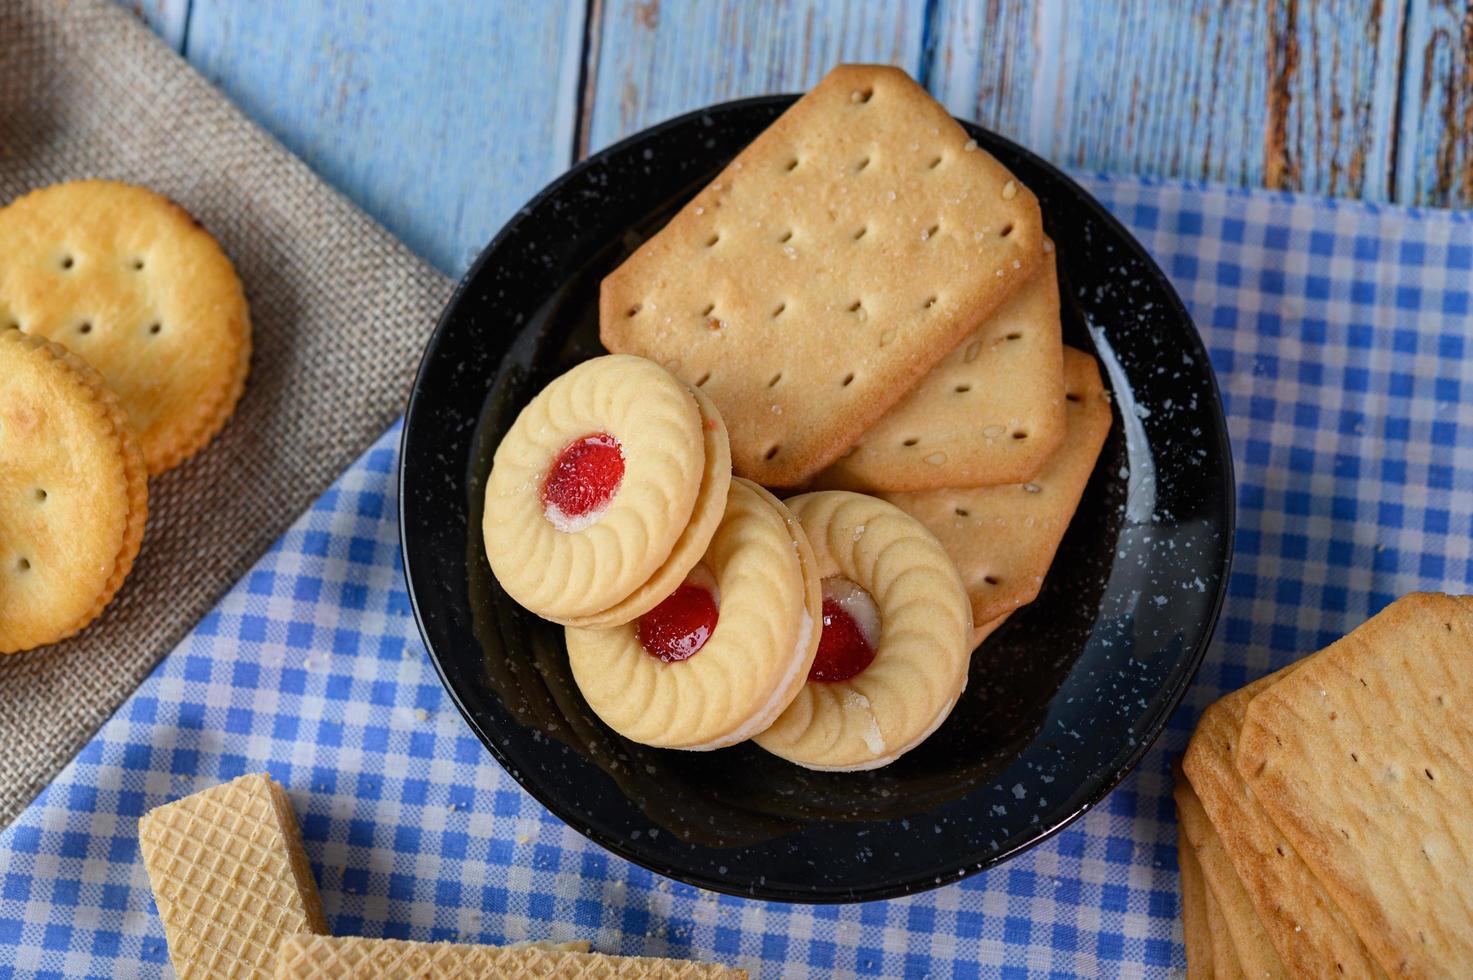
x: 125, y: 342
x: 1324, y: 809
x: 235, y: 892
x: 870, y: 300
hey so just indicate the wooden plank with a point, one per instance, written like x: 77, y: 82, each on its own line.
x: 439, y: 120
x: 167, y: 18
x: 1434, y: 159
x: 988, y: 65
x: 1265, y: 93
x: 651, y: 61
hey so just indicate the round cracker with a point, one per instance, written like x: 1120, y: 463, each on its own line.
x: 73, y: 493
x: 131, y: 282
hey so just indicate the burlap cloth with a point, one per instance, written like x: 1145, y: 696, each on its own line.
x: 340, y: 310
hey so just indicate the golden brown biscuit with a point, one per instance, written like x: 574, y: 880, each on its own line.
x: 128, y: 280
x: 991, y: 413
x: 895, y: 643
x: 1196, y: 931
x: 1363, y: 758
x: 720, y: 658
x: 595, y: 487
x: 1003, y: 539
x: 73, y: 493
x: 835, y: 261
x: 1255, y: 953
x: 1306, y: 927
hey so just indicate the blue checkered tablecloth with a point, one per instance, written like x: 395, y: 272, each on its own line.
x: 1343, y: 338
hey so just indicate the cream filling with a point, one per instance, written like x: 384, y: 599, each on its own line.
x: 858, y: 605
x: 572, y: 525
x: 776, y: 703
x: 885, y: 760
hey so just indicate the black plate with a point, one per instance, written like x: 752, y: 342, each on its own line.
x: 1062, y: 701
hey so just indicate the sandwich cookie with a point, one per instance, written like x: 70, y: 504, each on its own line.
x: 605, y: 492
x: 73, y: 493
x: 725, y: 653
x: 896, y: 640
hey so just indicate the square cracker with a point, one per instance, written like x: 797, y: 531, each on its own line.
x: 1363, y: 757
x: 1255, y: 954
x: 991, y: 413
x: 1196, y: 930
x: 835, y: 261
x: 1310, y: 933
x: 1225, y: 965
x: 1003, y: 539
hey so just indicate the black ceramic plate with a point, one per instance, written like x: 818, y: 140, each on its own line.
x: 1062, y: 701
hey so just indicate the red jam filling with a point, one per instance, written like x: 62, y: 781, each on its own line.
x: 584, y: 478
x: 677, y: 628
x: 843, y: 649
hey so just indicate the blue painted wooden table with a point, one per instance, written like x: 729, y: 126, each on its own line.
x: 441, y: 119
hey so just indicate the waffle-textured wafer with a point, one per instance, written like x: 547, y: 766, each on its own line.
x: 350, y: 958
x: 1307, y: 929
x: 73, y: 493
x: 1255, y: 953
x: 1363, y: 758
x: 128, y: 280
x: 230, y: 878
x: 1196, y: 931
x: 1003, y: 539
x: 991, y: 413
x: 835, y: 261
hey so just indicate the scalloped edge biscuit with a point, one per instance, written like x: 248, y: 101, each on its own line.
x: 752, y: 665
x: 838, y: 258
x: 572, y: 574
x: 115, y: 470
x: 924, y: 648
x: 991, y: 413
x: 710, y: 506
x: 131, y: 282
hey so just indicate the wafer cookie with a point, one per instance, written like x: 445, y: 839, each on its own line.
x: 230, y: 878
x: 305, y: 957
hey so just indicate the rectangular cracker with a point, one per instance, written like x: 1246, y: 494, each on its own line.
x: 1255, y: 954
x: 991, y: 413
x: 1003, y: 539
x: 1309, y: 932
x: 230, y: 878
x: 835, y: 261
x: 1225, y: 965
x: 344, y: 957
x: 1363, y: 758
x: 1196, y: 931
